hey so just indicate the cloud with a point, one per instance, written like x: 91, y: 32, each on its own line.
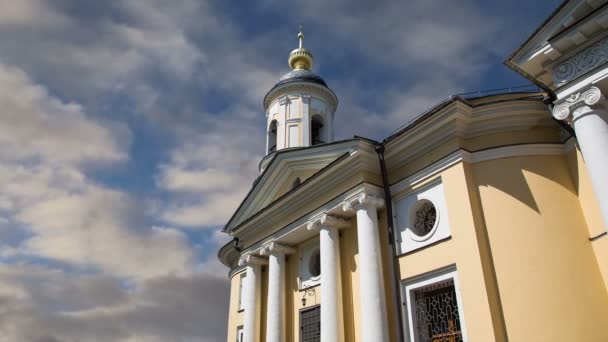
x: 208, y: 175
x: 100, y: 97
x: 40, y: 304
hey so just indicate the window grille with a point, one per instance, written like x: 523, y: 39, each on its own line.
x: 436, y: 313
x: 310, y: 325
x: 426, y: 216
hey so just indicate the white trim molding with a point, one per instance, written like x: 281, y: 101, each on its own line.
x: 423, y: 280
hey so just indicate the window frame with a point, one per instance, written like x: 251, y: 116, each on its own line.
x: 430, y: 278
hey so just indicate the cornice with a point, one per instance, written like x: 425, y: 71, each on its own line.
x: 266, y: 219
x: 459, y: 120
x: 462, y: 155
x: 299, y: 227
x: 302, y: 88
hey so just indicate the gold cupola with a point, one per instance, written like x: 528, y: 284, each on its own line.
x: 300, y: 58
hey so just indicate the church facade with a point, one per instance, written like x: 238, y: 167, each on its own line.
x: 483, y: 219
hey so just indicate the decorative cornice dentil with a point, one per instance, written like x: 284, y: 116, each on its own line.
x: 326, y: 220
x: 273, y: 247
x: 363, y: 201
x: 578, y: 103
x: 250, y: 259
x: 584, y: 61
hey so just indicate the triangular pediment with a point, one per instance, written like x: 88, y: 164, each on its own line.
x: 573, y: 26
x: 279, y: 175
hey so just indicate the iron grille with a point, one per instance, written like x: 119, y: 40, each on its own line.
x: 310, y: 324
x: 436, y: 313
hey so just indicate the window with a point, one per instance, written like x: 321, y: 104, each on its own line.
x: 314, y: 263
x: 317, y: 132
x: 434, y: 310
x: 239, y: 334
x: 272, y: 136
x: 310, y: 324
x: 310, y: 265
x: 421, y: 217
x: 424, y: 218
x: 241, y: 282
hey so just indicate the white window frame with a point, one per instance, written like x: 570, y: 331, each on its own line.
x: 306, y: 280
x: 424, y: 280
x: 406, y: 240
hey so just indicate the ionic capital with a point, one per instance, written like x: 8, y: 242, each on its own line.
x: 578, y: 103
x: 326, y: 220
x: 363, y: 201
x: 276, y: 248
x: 306, y: 98
x: 283, y: 100
x: 250, y: 259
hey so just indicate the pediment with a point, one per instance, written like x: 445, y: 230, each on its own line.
x: 572, y: 27
x: 278, y: 176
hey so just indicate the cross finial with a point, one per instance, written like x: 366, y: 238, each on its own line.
x: 301, y: 36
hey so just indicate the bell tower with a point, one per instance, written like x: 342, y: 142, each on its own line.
x: 300, y: 107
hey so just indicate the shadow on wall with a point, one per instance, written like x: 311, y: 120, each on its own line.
x: 509, y: 176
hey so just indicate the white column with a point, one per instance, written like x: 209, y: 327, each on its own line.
x: 331, y: 304
x: 374, y: 325
x: 251, y: 331
x: 275, y: 331
x: 281, y: 124
x: 305, y: 120
x: 591, y: 126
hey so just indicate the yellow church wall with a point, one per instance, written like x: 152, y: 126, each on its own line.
x: 235, y: 317
x: 547, y: 275
x: 461, y: 249
x: 590, y: 208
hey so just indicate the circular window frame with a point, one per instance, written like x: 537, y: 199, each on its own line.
x: 412, y: 218
x: 313, y: 252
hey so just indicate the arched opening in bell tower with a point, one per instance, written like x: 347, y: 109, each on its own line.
x: 272, y: 136
x: 318, y: 132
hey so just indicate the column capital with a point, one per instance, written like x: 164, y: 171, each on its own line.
x: 361, y: 201
x: 283, y: 100
x: 326, y: 220
x: 273, y: 247
x: 305, y: 98
x: 250, y: 259
x: 578, y: 103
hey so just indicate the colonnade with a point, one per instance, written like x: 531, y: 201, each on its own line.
x: 373, y: 318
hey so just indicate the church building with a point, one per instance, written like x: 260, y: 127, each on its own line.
x: 483, y: 219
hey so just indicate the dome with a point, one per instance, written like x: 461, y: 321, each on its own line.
x: 301, y: 75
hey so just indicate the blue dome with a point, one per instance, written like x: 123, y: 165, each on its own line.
x: 301, y: 75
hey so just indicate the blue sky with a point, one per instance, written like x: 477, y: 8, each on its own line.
x: 130, y: 131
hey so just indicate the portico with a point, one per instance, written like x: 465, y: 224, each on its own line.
x: 356, y: 210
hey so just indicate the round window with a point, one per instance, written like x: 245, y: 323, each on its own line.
x: 424, y: 218
x: 314, y: 263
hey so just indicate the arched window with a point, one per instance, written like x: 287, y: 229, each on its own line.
x: 317, y: 131
x: 272, y: 136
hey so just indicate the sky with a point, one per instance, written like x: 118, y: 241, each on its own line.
x: 130, y: 131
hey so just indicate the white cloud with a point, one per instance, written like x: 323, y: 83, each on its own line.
x: 41, y: 304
